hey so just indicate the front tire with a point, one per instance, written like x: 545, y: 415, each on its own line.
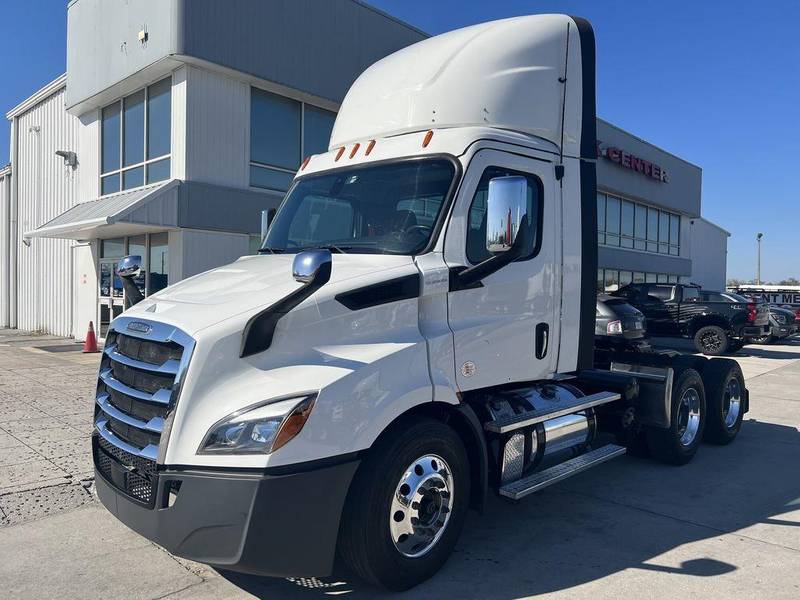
x: 678, y: 444
x: 407, y: 505
x: 725, y: 391
x: 711, y: 340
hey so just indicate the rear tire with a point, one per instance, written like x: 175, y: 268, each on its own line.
x: 711, y: 340
x: 371, y: 538
x: 678, y: 444
x: 725, y: 391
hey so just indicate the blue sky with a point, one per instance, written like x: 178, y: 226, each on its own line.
x: 716, y: 82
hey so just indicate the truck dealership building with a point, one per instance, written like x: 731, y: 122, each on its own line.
x: 178, y: 123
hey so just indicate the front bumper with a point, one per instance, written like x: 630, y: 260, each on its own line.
x: 276, y: 525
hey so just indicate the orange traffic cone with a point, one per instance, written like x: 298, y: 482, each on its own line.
x: 90, y: 345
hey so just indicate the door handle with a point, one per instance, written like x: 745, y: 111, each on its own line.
x: 542, y: 340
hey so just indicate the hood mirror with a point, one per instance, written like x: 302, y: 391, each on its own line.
x: 312, y: 266
x: 130, y: 266
x: 507, y: 207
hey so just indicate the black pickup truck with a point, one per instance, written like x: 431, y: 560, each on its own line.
x: 681, y: 311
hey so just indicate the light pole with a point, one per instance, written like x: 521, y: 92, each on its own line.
x: 758, y: 268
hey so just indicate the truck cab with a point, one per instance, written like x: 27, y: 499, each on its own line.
x: 415, y: 333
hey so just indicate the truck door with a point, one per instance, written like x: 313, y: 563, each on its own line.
x: 504, y: 327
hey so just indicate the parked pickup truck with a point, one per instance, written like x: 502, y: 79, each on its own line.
x: 716, y: 326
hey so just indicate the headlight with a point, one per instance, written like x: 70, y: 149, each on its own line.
x: 259, y: 429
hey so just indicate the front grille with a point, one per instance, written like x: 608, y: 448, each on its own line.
x: 136, y: 392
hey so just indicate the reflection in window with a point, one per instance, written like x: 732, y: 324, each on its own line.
x: 137, y: 246
x: 133, y: 129
x: 136, y: 132
x: 476, y: 228
x: 317, y: 128
x: 635, y: 226
x: 159, y: 261
x: 282, y: 131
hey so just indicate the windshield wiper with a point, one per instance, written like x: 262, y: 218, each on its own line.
x: 331, y: 247
x: 268, y: 250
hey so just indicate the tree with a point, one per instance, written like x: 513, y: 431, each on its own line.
x: 789, y: 281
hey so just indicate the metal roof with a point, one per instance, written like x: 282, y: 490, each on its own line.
x: 155, y: 205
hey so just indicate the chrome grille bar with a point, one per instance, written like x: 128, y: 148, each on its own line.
x: 155, y: 425
x: 169, y: 367
x: 150, y: 452
x: 162, y: 396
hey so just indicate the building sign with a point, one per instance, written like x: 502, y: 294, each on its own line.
x: 626, y: 160
x: 786, y: 297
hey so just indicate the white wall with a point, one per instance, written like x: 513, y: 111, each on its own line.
x: 217, y: 127
x: 5, y: 234
x: 709, y: 253
x: 192, y: 251
x: 46, y: 188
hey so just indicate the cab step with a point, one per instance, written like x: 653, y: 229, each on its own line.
x: 550, y: 411
x: 537, y: 481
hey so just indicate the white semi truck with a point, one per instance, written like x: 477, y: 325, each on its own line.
x: 416, y: 332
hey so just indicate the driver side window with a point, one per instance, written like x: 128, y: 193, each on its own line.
x: 476, y: 226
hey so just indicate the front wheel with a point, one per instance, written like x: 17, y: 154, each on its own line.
x: 711, y: 340
x: 407, y: 505
x: 678, y: 444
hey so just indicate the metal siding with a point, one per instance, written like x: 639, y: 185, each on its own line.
x: 627, y: 260
x: 103, y: 48
x: 681, y: 192
x: 5, y: 200
x: 204, y: 250
x: 89, y: 157
x: 206, y: 206
x: 47, y: 188
x: 709, y: 251
x: 217, y: 129
x: 316, y: 46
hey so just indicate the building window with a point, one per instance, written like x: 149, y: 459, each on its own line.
x: 135, y: 139
x: 627, y: 224
x: 282, y: 131
x: 610, y: 280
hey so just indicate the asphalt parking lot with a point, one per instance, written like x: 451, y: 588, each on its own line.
x: 725, y: 525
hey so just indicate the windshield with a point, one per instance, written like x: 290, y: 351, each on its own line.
x: 379, y: 209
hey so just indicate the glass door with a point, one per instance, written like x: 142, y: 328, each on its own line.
x: 111, y: 295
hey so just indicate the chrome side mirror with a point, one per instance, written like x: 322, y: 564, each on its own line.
x: 506, y: 207
x: 130, y: 266
x: 311, y: 265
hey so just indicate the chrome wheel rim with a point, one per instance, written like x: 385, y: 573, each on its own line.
x: 689, y: 416
x: 732, y: 402
x: 711, y: 341
x: 421, y: 506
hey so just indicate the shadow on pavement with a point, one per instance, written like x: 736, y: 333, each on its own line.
x: 619, y: 516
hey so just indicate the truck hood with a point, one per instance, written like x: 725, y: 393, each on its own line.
x: 251, y: 283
